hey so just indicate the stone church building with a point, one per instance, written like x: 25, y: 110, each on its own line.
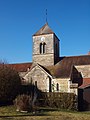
x: 51, y: 72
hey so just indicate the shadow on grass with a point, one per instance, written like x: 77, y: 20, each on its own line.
x: 37, y: 113
x: 47, y: 109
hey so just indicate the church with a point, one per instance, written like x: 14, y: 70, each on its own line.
x: 52, y: 73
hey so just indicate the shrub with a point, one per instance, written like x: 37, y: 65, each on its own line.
x: 22, y: 102
x: 25, y: 103
x: 60, y: 100
x: 9, y: 83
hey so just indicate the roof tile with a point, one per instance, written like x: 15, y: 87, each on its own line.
x: 64, y: 67
x: 86, y: 83
x: 21, y: 67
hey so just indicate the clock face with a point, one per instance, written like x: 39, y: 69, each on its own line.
x: 42, y: 38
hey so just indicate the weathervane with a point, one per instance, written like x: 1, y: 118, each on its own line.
x: 46, y: 15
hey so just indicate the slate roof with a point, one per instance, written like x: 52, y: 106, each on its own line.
x: 44, y: 30
x: 64, y: 67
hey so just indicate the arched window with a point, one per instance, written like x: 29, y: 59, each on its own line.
x: 57, y: 87
x: 41, y: 46
x: 44, y: 47
x: 35, y: 83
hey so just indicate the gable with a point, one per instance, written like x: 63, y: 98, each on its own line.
x: 36, y: 72
x: 38, y: 77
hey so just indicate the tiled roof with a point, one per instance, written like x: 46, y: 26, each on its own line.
x: 44, y: 30
x: 61, y: 70
x: 64, y: 67
x: 86, y: 83
x: 21, y: 67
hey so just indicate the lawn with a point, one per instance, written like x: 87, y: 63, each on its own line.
x: 9, y: 113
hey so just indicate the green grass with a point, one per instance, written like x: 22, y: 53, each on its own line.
x: 9, y: 113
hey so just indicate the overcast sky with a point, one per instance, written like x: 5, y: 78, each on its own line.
x: 20, y: 19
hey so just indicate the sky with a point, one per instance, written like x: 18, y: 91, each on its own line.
x: 20, y: 19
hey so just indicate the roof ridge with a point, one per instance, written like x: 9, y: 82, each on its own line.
x: 74, y: 56
x: 20, y: 63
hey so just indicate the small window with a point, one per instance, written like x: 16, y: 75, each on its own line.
x: 41, y: 48
x: 57, y: 87
x: 36, y: 83
x: 44, y: 47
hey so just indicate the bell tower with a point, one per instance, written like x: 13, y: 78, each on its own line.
x: 45, y: 47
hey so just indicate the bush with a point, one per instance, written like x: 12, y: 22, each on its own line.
x: 9, y: 84
x: 25, y: 103
x: 22, y: 102
x: 60, y: 100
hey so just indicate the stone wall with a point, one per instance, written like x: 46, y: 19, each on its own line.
x: 45, y: 60
x: 51, y: 53
x: 63, y: 84
x: 56, y: 49
x: 39, y: 77
x: 48, y: 40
